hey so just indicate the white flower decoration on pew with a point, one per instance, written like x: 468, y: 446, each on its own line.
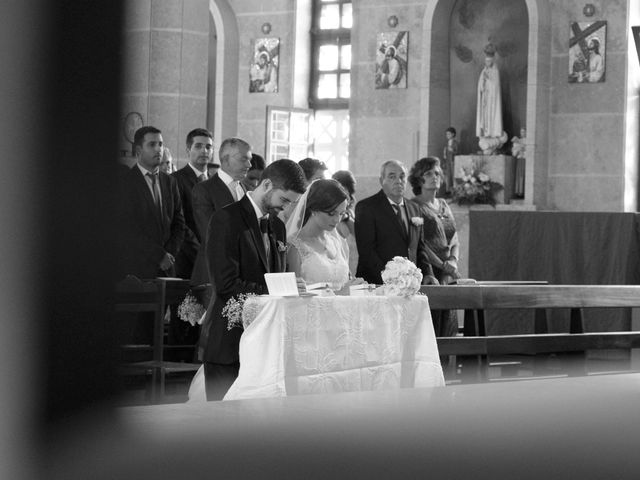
x: 190, y: 310
x: 401, y: 277
x: 235, y: 311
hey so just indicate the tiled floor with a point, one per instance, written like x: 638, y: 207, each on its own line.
x: 136, y: 389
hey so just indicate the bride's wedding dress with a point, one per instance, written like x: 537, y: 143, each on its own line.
x: 324, y: 259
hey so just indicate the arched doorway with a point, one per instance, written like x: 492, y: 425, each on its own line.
x: 222, y: 82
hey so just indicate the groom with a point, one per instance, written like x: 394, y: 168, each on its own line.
x: 388, y: 225
x: 245, y: 240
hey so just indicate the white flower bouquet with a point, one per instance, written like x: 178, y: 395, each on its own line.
x: 191, y: 311
x: 233, y: 311
x: 401, y: 277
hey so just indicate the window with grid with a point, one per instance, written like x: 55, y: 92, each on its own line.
x: 331, y: 54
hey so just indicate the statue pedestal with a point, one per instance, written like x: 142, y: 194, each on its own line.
x: 500, y: 168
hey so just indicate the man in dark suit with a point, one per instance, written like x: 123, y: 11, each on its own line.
x: 199, y: 145
x: 386, y: 226
x: 216, y: 192
x: 200, y: 153
x: 152, y: 223
x: 245, y: 240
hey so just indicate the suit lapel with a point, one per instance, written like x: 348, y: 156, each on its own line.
x: 251, y: 221
x: 143, y: 186
x: 391, y: 215
x: 221, y: 192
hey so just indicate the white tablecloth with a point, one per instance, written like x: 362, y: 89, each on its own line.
x: 336, y: 344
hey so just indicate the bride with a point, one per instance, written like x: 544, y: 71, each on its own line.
x: 317, y: 252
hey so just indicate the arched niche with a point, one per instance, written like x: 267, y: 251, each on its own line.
x: 222, y: 91
x: 436, y: 89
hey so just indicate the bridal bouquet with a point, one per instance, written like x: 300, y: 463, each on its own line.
x: 234, y: 309
x: 401, y: 277
x: 191, y: 311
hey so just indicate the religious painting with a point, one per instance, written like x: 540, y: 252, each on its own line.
x: 587, y: 47
x: 391, y: 60
x: 636, y: 37
x: 263, y: 71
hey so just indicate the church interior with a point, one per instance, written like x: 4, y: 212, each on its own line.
x: 82, y: 76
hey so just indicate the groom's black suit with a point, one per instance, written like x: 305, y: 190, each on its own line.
x: 237, y: 262
x: 380, y: 237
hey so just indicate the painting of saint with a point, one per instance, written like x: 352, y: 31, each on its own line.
x: 391, y: 60
x: 263, y: 71
x: 587, y: 44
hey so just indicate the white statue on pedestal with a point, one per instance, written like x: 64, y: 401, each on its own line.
x: 489, y: 112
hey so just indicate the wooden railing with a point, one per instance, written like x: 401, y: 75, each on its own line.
x: 476, y: 299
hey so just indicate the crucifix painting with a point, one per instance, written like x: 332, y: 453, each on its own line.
x: 391, y: 60
x: 587, y: 46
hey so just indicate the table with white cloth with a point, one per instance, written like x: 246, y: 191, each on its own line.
x: 304, y: 345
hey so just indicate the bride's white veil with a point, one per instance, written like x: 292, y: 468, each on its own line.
x: 295, y: 221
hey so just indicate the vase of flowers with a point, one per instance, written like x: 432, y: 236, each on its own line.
x: 475, y: 187
x: 401, y: 277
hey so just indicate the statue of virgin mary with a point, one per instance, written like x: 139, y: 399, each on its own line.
x: 489, y: 113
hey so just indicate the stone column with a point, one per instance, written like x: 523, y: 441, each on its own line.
x: 166, y: 66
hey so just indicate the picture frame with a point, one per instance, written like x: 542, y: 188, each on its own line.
x: 264, y: 67
x: 392, y: 49
x: 587, y: 52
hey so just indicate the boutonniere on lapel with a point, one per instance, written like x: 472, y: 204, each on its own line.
x: 417, y: 221
x: 282, y: 247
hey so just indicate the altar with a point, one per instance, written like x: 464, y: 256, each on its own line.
x: 500, y: 168
x: 308, y: 345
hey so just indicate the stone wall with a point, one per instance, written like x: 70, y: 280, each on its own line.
x: 578, y: 133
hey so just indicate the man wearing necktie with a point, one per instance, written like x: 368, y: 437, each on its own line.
x: 246, y: 239
x: 199, y: 149
x: 200, y: 153
x: 151, y: 223
x: 385, y: 229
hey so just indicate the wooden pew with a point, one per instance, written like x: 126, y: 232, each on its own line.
x: 475, y: 299
x: 135, y: 295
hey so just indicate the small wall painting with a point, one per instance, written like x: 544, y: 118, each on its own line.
x: 587, y: 48
x: 391, y: 60
x: 263, y: 71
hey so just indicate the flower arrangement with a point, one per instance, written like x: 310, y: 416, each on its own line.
x: 401, y: 277
x: 234, y: 309
x: 475, y: 186
x: 190, y: 310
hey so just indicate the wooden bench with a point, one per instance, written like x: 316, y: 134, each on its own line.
x: 475, y: 299
x: 135, y: 295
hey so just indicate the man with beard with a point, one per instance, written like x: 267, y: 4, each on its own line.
x: 152, y: 228
x: 151, y: 222
x: 596, y: 63
x: 245, y: 240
